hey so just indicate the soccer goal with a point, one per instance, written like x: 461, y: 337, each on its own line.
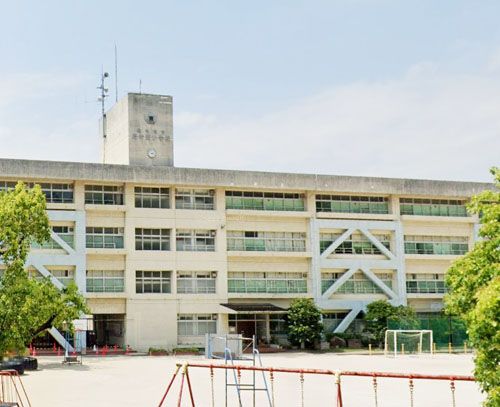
x: 400, y: 341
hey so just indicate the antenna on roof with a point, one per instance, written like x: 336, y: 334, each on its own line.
x: 102, y: 97
x: 140, y: 85
x: 116, y: 74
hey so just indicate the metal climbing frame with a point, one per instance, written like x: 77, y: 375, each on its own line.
x: 12, y: 391
x: 75, y: 356
x: 412, y: 377
x: 235, y: 348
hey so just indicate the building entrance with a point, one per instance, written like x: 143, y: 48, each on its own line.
x: 109, y: 329
x: 249, y: 325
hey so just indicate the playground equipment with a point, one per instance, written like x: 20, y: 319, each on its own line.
x: 229, y: 348
x: 408, y: 341
x: 75, y: 356
x: 334, y: 398
x: 12, y: 391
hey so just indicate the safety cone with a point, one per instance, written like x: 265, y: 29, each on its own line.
x: 31, y: 349
x: 58, y: 351
x: 34, y: 351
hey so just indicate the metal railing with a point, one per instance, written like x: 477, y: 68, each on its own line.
x: 336, y: 374
x: 265, y: 285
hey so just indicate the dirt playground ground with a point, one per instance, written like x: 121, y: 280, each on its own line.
x: 140, y: 381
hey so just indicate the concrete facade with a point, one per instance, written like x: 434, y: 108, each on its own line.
x: 158, y: 249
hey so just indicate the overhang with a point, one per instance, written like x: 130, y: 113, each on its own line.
x: 253, y: 308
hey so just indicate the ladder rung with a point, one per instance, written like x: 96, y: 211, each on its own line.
x: 254, y: 389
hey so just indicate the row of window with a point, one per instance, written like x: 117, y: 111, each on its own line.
x: 151, y: 239
x: 440, y: 245
x: 266, y: 241
x: 357, y: 243
x: 357, y: 284
x: 204, y: 282
x: 188, y: 282
x: 360, y: 244
x: 203, y: 199
x: 204, y: 240
x: 54, y: 193
x: 267, y: 282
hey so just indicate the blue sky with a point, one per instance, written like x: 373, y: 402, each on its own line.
x: 362, y: 87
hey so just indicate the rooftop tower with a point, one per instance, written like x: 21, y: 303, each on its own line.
x: 138, y: 130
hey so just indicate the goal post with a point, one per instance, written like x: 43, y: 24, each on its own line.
x: 408, y: 341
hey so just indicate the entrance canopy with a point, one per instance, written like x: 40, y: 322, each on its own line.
x: 253, y: 308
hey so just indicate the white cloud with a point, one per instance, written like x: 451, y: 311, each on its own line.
x: 423, y: 125
x: 44, y: 116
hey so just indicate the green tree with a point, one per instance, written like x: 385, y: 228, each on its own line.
x: 474, y: 292
x: 27, y: 306
x: 380, y: 312
x: 303, y: 322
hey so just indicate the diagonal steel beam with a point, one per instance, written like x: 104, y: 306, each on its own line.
x: 347, y: 320
x: 379, y: 283
x: 337, y: 284
x: 66, y: 247
x: 330, y: 249
x: 377, y: 243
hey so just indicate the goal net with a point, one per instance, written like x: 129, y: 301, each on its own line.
x: 399, y: 341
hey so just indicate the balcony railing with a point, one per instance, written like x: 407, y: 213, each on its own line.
x: 355, y: 287
x: 426, y: 287
x: 196, y: 286
x: 267, y: 286
x: 105, y: 285
x: 264, y: 204
x: 265, y: 245
x: 436, y: 248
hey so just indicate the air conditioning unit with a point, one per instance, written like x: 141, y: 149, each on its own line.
x: 211, y: 192
x: 214, y: 274
x: 212, y: 233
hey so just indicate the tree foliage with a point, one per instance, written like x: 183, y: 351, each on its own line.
x: 474, y: 291
x: 303, y: 321
x: 28, y: 306
x: 381, y: 311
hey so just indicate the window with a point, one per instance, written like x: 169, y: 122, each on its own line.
x: 7, y: 185
x: 152, y: 239
x: 148, y: 197
x: 66, y: 233
x: 194, y: 199
x: 196, y: 282
x: 152, y: 282
x: 104, y: 238
x: 425, y: 284
x: 103, y: 195
x: 105, y: 281
x: 54, y: 193
x: 332, y: 320
x: 440, y: 245
x: 64, y: 276
x: 357, y: 284
x: 266, y: 241
x: 357, y: 243
x: 432, y: 207
x: 352, y: 204
x: 264, y: 201
x: 195, y: 240
x: 196, y: 324
x: 267, y: 282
